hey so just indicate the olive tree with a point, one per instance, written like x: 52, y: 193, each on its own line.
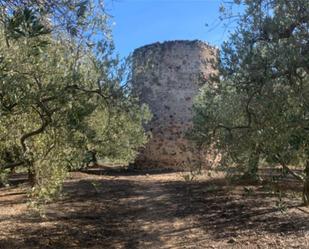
x: 63, y: 91
x: 258, y: 106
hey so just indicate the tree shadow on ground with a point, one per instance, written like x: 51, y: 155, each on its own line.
x: 126, y: 171
x: 108, y: 213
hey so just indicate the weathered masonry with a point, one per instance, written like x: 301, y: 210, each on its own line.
x: 167, y: 76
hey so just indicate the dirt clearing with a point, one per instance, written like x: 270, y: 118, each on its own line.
x: 115, y: 209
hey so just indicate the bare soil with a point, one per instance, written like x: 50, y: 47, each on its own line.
x: 121, y: 209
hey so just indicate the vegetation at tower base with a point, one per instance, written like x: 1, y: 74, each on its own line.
x: 62, y: 91
x: 259, y: 107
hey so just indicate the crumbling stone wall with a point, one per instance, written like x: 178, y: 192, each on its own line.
x: 167, y: 76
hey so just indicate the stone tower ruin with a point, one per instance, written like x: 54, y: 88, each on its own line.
x: 167, y: 76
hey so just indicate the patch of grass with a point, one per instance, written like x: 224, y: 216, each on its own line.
x: 96, y: 186
x: 212, y: 188
x: 248, y: 191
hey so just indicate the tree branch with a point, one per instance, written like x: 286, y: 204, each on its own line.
x: 33, y: 133
x: 291, y: 172
x: 12, y: 165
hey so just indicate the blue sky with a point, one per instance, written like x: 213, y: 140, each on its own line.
x: 141, y: 22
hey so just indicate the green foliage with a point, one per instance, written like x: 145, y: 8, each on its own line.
x: 191, y: 169
x: 24, y: 23
x: 281, y: 204
x: 62, y: 94
x: 96, y: 186
x: 4, y: 177
x: 258, y: 109
x: 248, y: 191
x: 212, y: 188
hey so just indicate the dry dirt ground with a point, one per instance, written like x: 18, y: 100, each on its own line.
x: 111, y: 209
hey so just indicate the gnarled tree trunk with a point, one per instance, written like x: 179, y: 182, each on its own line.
x: 306, y: 185
x: 31, y: 174
x: 253, y: 166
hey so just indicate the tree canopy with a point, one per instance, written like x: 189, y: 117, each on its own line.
x: 258, y: 107
x: 63, y: 91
